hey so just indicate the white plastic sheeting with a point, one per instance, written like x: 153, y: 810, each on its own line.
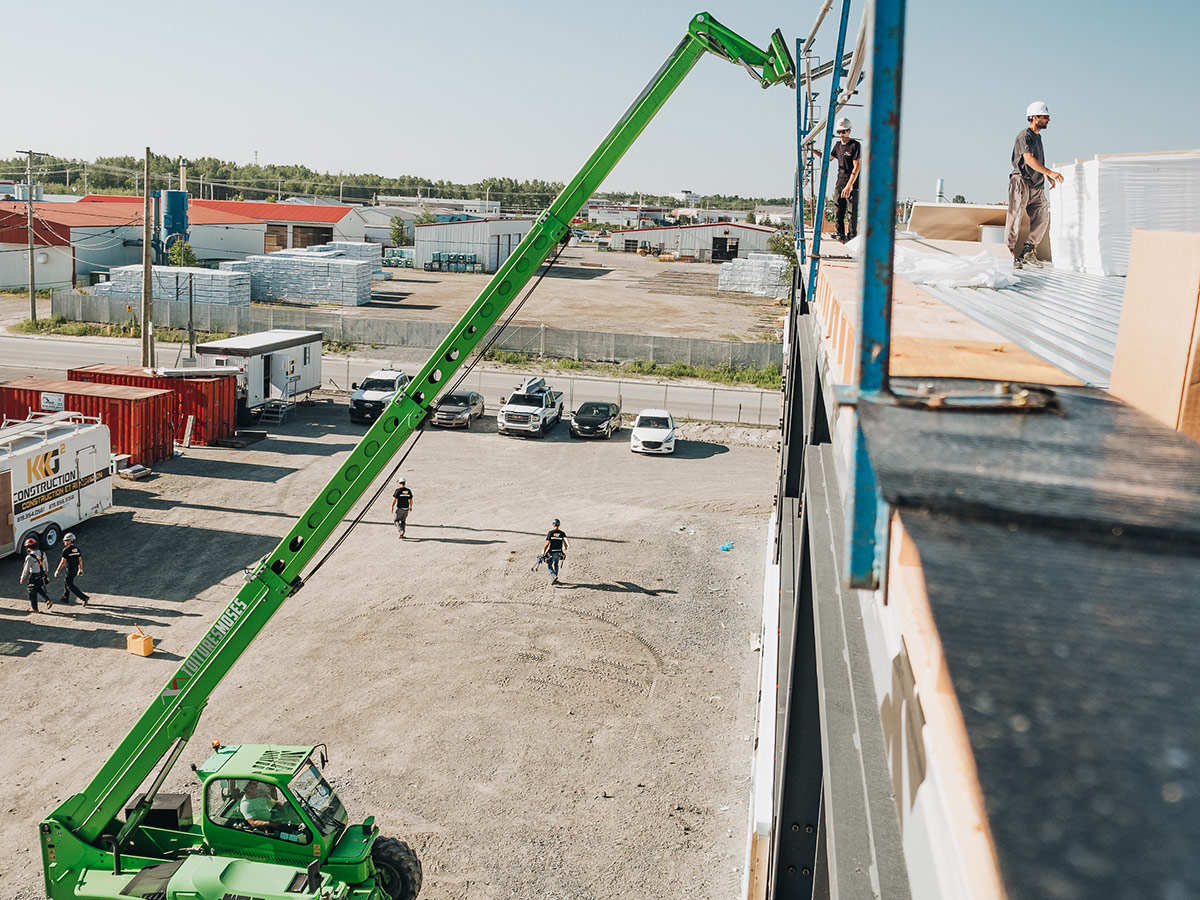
x: 761, y: 274
x: 1101, y: 200
x: 984, y: 269
x: 174, y: 282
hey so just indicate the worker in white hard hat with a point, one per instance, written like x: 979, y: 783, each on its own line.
x: 847, y: 153
x: 1026, y: 188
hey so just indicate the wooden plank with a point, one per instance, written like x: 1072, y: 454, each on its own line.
x: 187, y: 432
x: 1160, y: 321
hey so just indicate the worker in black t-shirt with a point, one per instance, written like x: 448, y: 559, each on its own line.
x: 72, y: 561
x: 555, y: 550
x: 402, y: 504
x: 848, y: 153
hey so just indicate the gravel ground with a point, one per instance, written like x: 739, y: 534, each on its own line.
x: 590, y: 740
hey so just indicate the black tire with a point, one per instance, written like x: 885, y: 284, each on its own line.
x: 398, y: 869
x: 51, y: 537
x: 541, y: 429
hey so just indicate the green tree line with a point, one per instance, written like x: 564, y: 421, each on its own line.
x: 225, y: 180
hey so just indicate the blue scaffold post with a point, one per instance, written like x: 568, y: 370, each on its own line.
x: 867, y: 511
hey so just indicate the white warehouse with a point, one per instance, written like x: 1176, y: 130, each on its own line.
x: 491, y: 240
x: 696, y: 243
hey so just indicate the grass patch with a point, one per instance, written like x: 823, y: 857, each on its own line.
x: 59, y: 325
x: 43, y: 293
x: 333, y: 345
x: 767, y: 377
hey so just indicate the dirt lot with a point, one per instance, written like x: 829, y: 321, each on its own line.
x: 584, y: 741
x: 591, y: 291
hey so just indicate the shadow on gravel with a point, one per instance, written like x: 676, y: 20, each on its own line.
x: 143, y: 500
x: 698, y: 449
x: 196, y: 467
x: 433, y: 540
x: 305, y: 448
x: 619, y: 587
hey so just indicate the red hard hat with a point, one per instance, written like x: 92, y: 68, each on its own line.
x: 31, y: 542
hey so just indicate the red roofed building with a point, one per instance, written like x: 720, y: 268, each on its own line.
x: 73, y: 240
x: 288, y: 224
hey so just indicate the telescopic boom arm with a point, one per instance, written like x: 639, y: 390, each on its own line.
x: 172, y: 717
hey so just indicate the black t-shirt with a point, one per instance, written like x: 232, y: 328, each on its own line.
x: 556, y: 537
x: 1028, y: 141
x: 403, y: 497
x: 73, y: 557
x: 846, y: 154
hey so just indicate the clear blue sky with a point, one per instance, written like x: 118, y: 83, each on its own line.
x: 463, y: 90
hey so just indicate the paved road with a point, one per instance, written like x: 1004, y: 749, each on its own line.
x: 50, y: 357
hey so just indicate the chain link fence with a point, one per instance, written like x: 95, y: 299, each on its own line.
x: 537, y: 340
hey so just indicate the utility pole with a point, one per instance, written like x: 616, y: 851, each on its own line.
x: 29, y: 230
x: 85, y: 190
x: 279, y: 195
x: 341, y: 189
x: 147, y: 275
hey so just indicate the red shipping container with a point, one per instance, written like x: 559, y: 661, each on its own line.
x: 212, y: 399
x: 141, y: 421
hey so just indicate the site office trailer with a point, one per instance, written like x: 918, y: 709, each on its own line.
x: 54, y: 474
x: 211, y: 399
x: 141, y: 421
x: 271, y: 365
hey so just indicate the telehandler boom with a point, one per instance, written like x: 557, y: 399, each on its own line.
x: 270, y: 827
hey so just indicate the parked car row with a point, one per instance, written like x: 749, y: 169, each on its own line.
x: 532, y: 409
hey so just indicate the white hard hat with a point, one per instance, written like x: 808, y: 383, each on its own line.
x: 1037, y: 108
x: 843, y: 124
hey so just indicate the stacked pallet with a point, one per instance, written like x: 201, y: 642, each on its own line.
x: 1102, y: 200
x: 307, y: 277
x: 762, y: 274
x: 223, y: 288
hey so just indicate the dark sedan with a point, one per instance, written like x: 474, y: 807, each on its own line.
x: 459, y: 409
x: 596, y: 419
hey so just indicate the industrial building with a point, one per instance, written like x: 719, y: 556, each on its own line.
x: 490, y: 240
x: 625, y: 216
x: 696, y: 243
x: 72, y: 240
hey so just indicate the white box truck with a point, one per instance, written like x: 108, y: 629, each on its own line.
x: 275, y: 365
x: 54, y: 473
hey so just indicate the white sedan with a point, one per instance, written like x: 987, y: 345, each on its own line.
x: 653, y: 432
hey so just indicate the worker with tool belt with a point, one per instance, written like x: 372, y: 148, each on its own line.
x: 1025, y: 188
x: 37, y: 573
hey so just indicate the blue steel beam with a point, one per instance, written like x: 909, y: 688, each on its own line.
x: 867, y: 512
x: 834, y: 86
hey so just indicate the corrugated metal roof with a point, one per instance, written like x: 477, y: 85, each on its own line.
x: 246, y: 210
x: 1069, y: 319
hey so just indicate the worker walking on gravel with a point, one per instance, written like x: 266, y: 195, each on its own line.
x: 36, y: 572
x: 402, y: 504
x: 555, y: 550
x: 72, y: 560
x: 1026, y: 188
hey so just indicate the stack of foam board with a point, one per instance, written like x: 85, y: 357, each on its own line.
x: 227, y: 288
x: 309, y: 277
x: 1101, y: 200
x: 762, y: 274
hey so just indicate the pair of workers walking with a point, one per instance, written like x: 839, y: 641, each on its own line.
x: 35, y: 574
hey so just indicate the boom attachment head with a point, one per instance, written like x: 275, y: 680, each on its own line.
x: 767, y: 67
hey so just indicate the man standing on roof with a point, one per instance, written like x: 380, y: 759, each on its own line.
x: 847, y: 153
x: 1025, y: 188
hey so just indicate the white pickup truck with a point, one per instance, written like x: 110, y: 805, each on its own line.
x: 531, y: 409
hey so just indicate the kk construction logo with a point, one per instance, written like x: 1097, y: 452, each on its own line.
x: 44, y: 465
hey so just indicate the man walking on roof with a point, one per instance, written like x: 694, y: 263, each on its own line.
x: 1025, y: 188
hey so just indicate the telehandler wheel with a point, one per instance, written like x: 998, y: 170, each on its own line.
x: 398, y: 867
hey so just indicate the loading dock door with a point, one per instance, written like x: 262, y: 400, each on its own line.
x: 724, y: 248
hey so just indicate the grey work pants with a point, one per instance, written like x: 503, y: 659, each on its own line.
x: 1022, y: 197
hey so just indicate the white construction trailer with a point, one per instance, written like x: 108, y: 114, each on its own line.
x: 275, y: 365
x: 54, y: 474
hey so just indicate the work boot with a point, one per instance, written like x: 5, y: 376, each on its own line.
x: 1029, y: 257
x: 1018, y: 262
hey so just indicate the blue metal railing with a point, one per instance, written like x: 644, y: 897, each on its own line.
x: 867, y: 513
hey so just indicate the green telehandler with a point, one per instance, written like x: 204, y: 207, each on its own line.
x: 270, y: 827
